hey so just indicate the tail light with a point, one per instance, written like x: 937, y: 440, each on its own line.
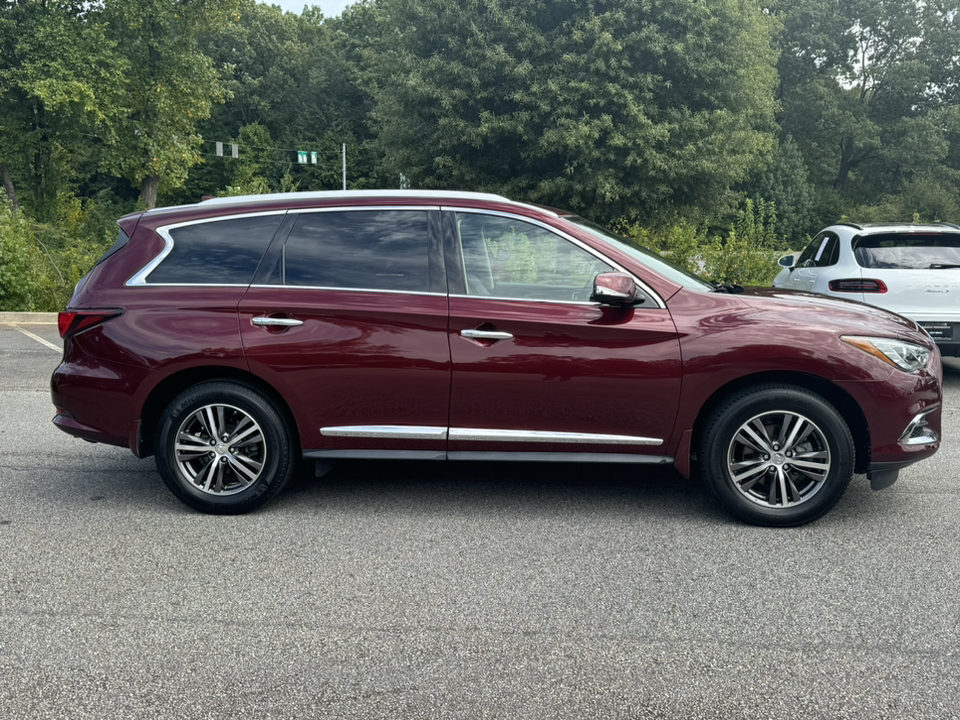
x: 72, y: 322
x: 856, y: 285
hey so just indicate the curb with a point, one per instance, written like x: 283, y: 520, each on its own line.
x: 29, y: 318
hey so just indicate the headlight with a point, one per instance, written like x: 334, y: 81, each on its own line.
x: 902, y: 355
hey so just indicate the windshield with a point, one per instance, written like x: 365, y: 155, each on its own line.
x: 647, y: 257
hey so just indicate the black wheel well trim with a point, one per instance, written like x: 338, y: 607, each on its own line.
x: 171, y: 386
x: 832, y: 393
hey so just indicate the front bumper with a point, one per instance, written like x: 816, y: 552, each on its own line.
x: 903, y: 414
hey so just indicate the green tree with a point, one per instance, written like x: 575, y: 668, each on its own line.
x: 869, y: 91
x: 288, y: 75
x: 626, y: 108
x: 786, y: 184
x: 60, y: 80
x: 170, y: 87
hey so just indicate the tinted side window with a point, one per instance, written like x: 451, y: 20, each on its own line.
x: 221, y: 252
x: 361, y: 249
x: 510, y: 258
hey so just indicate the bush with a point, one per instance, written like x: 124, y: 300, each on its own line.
x: 40, y: 263
x: 745, y: 255
x: 682, y: 243
x: 737, y: 261
x: 748, y: 254
x: 19, y: 283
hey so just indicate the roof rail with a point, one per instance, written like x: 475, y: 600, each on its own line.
x: 947, y: 224
x: 857, y: 226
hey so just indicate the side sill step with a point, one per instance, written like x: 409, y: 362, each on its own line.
x: 584, y: 457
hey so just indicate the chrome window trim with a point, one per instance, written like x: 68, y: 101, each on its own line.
x: 140, y: 278
x: 205, y: 285
x: 544, y: 436
x: 556, y: 231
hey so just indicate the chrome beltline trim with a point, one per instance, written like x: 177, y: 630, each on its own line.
x: 393, y: 432
x: 276, y: 286
x: 526, y: 300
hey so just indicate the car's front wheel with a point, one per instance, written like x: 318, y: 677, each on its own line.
x: 222, y: 447
x: 777, y: 455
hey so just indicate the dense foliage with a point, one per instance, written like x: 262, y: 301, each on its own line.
x: 718, y: 132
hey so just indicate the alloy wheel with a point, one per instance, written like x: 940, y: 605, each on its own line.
x: 220, y: 449
x: 779, y: 459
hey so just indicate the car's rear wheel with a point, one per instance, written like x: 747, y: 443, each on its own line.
x: 777, y: 455
x: 222, y: 447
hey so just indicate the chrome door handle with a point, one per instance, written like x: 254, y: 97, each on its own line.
x: 276, y: 322
x: 485, y: 335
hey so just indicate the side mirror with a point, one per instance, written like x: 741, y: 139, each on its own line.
x: 614, y: 288
x: 787, y: 261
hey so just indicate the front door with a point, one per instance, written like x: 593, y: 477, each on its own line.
x: 537, y: 368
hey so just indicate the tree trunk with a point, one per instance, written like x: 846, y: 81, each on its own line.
x: 848, y: 147
x: 148, y: 191
x: 8, y: 186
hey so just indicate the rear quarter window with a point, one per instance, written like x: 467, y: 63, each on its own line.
x: 216, y: 252
x: 907, y: 251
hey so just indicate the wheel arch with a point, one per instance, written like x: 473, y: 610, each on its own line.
x: 168, y: 388
x: 834, y: 394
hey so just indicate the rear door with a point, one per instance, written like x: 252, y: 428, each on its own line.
x: 348, y: 320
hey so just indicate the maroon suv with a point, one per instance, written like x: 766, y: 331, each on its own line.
x: 233, y: 337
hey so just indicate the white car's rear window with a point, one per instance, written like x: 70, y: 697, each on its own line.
x: 908, y: 251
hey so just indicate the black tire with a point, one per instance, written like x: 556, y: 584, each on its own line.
x: 246, y: 464
x: 777, y: 455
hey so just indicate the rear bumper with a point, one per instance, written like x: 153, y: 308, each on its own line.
x: 97, y: 403
x: 70, y: 426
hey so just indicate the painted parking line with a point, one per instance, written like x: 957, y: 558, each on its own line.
x: 34, y: 337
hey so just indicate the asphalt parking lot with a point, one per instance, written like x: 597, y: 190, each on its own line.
x: 448, y: 590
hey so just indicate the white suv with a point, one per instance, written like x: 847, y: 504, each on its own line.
x: 913, y: 270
